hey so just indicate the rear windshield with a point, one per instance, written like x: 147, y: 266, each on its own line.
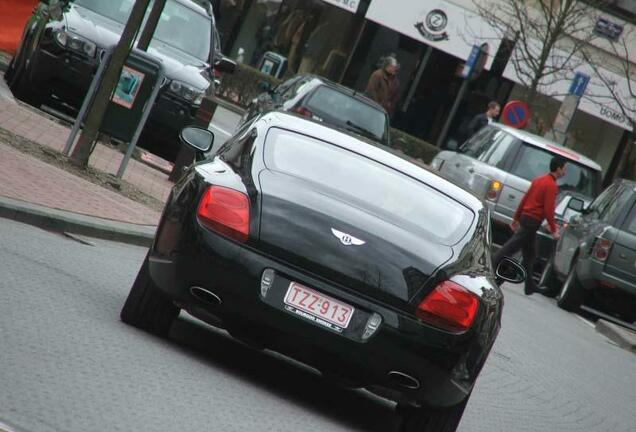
x: 365, y: 183
x: 534, y: 161
x: 341, y: 108
x: 178, y: 26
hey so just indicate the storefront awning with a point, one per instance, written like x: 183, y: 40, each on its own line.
x: 441, y: 24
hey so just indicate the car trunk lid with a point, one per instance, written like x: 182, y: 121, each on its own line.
x: 346, y: 244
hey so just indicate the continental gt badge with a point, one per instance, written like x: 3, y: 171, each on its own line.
x: 432, y: 27
x: 347, y: 239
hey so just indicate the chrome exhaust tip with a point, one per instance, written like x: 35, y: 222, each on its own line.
x: 404, y: 380
x: 206, y: 296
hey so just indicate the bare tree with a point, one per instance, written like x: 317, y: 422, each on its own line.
x: 624, y: 97
x: 548, y: 35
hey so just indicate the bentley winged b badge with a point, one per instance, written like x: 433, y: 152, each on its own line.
x: 347, y: 239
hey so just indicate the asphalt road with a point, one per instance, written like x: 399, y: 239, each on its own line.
x: 68, y: 364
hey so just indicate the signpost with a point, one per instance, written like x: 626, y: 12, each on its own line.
x: 570, y: 103
x: 473, y: 67
x: 515, y: 114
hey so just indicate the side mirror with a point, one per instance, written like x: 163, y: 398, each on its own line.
x: 509, y: 270
x: 576, y: 204
x: 224, y: 64
x: 199, y: 139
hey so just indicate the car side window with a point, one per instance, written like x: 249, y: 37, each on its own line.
x: 480, y: 142
x: 630, y: 222
x: 283, y: 87
x: 292, y: 91
x: 239, y: 153
x: 615, y: 205
x: 597, y: 207
x: 496, y: 155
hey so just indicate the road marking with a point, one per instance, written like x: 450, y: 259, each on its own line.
x: 589, y: 323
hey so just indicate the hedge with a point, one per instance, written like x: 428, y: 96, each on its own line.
x: 243, y: 85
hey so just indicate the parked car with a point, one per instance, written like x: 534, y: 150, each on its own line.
x: 325, y: 101
x: 568, y: 205
x: 58, y: 66
x: 303, y: 239
x: 595, y: 257
x: 499, y: 162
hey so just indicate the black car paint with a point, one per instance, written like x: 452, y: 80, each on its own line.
x: 186, y: 254
x: 67, y: 74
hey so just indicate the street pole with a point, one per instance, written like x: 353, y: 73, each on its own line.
x: 453, y: 111
x: 84, y: 146
x: 472, y: 68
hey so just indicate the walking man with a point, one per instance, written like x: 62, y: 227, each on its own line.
x: 536, y: 205
x: 481, y: 120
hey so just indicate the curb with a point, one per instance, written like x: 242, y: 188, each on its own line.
x: 65, y: 221
x: 623, y: 337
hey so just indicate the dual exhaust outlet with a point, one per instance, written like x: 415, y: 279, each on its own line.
x: 398, y: 378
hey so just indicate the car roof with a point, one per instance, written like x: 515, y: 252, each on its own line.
x: 343, y: 89
x: 194, y: 6
x: 551, y: 146
x: 374, y: 151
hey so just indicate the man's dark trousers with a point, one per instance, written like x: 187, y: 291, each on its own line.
x: 524, y: 239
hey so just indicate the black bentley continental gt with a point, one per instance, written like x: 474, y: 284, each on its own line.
x: 336, y: 252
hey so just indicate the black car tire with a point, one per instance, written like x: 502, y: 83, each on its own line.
x: 147, y: 307
x: 571, y: 295
x: 431, y: 419
x: 548, y: 284
x: 19, y: 83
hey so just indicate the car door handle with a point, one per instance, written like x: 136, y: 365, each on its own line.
x: 457, y: 165
x: 623, y: 256
x: 471, y: 171
x: 511, y: 196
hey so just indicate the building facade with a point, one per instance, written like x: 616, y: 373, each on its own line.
x: 343, y: 40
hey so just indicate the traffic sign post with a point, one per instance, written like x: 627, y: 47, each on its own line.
x: 559, y: 130
x: 515, y: 114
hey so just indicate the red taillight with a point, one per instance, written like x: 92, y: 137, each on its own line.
x: 225, y: 211
x: 449, y: 306
x: 601, y: 249
x: 494, y: 190
x: 304, y: 111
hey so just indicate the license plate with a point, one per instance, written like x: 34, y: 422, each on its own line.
x: 317, y: 307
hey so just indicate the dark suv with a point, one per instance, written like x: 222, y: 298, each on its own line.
x: 325, y: 101
x: 56, y: 66
x: 595, y: 257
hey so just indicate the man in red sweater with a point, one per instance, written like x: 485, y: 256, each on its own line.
x: 537, y: 204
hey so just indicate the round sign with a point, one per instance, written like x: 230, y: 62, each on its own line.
x: 516, y: 114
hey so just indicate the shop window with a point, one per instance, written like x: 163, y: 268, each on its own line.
x: 311, y: 36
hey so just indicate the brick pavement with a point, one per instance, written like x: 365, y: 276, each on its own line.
x: 28, y: 179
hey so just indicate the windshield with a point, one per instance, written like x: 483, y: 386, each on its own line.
x: 347, y: 111
x: 179, y: 26
x: 534, y: 161
x: 375, y: 187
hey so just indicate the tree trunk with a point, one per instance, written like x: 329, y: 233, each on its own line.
x: 93, y: 122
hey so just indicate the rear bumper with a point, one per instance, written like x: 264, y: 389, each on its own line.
x: 446, y: 365
x: 593, y: 274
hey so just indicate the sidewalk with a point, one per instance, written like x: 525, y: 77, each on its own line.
x: 39, y: 193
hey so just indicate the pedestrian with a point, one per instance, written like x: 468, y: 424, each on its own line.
x: 536, y: 205
x: 383, y: 84
x: 483, y: 119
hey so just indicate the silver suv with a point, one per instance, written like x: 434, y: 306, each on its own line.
x: 498, y: 163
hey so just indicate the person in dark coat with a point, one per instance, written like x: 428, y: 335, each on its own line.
x: 481, y: 120
x: 383, y: 84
